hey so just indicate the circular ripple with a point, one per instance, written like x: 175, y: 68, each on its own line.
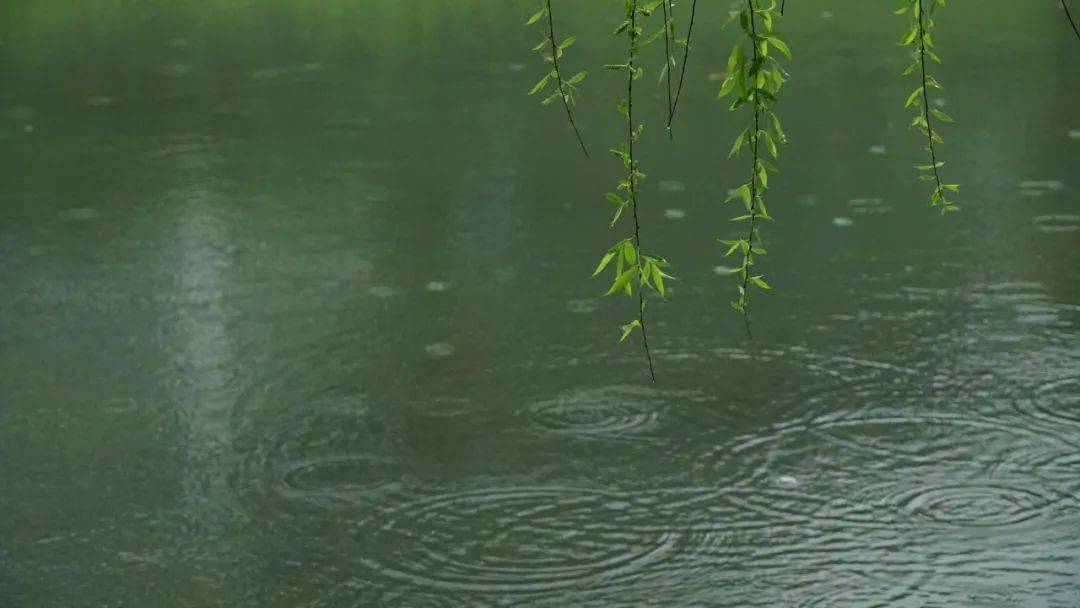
x: 1058, y: 401
x: 989, y: 504
x: 609, y: 411
x: 853, y: 469
x: 517, y: 540
x: 331, y: 454
x: 337, y: 480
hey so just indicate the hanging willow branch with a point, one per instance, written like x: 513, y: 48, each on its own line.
x: 918, y: 36
x: 682, y: 71
x: 669, y: 59
x: 1068, y: 15
x: 630, y: 261
x: 754, y: 78
x: 564, y: 89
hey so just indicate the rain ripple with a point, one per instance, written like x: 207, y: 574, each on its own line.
x: 617, y: 411
x: 520, y: 540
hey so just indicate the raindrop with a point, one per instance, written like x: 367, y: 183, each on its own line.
x: 101, y: 101
x: 82, y: 214
x: 177, y: 69
x: 865, y: 206
x: 842, y: 222
x: 674, y: 214
x: 878, y: 149
x: 1058, y: 223
x: 440, y: 349
x: 383, y: 291
x: 670, y: 185
x: 1049, y: 185
x: 583, y: 306
x: 437, y: 286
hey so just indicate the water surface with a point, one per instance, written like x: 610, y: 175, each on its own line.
x: 295, y: 311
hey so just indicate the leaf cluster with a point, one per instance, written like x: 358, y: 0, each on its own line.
x: 754, y: 79
x: 919, y: 38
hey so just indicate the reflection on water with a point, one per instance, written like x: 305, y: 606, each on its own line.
x: 295, y: 312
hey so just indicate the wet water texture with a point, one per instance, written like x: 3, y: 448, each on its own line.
x: 295, y: 311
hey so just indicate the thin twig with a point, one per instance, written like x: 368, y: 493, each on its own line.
x: 633, y: 189
x: 1068, y: 15
x: 686, y: 55
x: 783, y: 3
x: 926, y: 101
x: 753, y: 185
x: 559, y: 80
x: 667, y: 60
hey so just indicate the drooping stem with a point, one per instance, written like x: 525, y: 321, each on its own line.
x: 667, y: 14
x: 682, y: 72
x: 1068, y: 15
x: 753, y: 183
x: 632, y: 177
x: 559, y: 80
x: 926, y: 100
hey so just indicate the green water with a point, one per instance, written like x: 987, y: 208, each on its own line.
x: 295, y: 311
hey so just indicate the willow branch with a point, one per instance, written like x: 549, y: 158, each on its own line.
x: 753, y: 182
x: 559, y: 79
x: 667, y: 59
x: 926, y: 99
x: 686, y: 55
x: 632, y: 178
x: 1068, y: 15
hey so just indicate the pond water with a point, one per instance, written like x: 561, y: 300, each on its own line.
x: 295, y: 311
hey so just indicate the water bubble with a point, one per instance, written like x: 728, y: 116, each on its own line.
x: 674, y: 214
x: 787, y: 481
x: 878, y: 149
x: 437, y: 286
x: 842, y: 222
